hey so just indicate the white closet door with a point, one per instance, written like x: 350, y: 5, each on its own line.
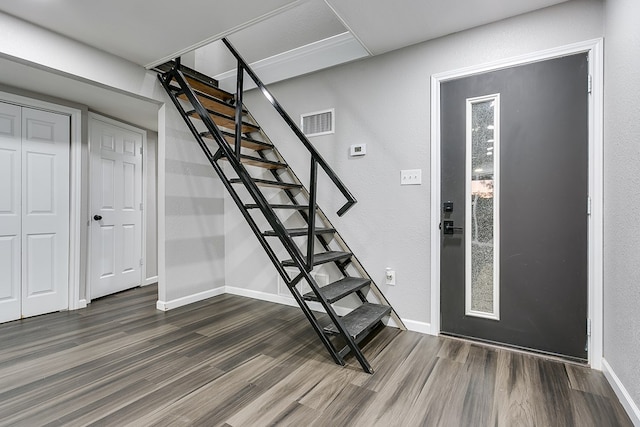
x: 116, y: 196
x: 10, y: 211
x: 45, y: 211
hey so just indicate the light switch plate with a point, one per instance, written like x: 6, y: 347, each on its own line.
x: 411, y: 177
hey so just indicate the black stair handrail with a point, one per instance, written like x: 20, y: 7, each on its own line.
x: 305, y: 265
x: 315, y: 155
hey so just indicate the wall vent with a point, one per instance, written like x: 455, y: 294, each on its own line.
x: 318, y: 123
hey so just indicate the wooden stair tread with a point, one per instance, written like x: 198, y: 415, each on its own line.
x: 280, y: 206
x: 322, y: 258
x: 225, y: 121
x: 267, y: 183
x: 293, y: 232
x: 258, y: 162
x: 361, y: 320
x: 212, y: 104
x: 195, y: 79
x: 209, y: 89
x: 337, y: 290
x: 245, y: 141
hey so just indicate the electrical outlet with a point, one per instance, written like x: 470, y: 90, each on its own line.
x: 390, y: 277
x: 411, y: 177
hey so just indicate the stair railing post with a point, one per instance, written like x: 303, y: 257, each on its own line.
x: 296, y: 130
x: 238, y: 117
x: 313, y: 177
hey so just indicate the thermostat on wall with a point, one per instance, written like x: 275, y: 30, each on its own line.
x: 358, y: 150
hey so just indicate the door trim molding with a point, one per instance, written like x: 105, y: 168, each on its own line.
x: 74, y: 301
x: 143, y: 254
x: 594, y: 48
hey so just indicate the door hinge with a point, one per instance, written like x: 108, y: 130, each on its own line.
x: 588, y: 205
x: 589, y: 83
x: 588, y: 327
x: 141, y: 145
x: 141, y: 263
x: 141, y: 207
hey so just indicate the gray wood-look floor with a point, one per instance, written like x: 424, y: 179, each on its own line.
x: 234, y: 361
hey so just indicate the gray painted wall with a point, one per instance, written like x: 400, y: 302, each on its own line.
x: 385, y: 102
x: 622, y: 192
x: 193, y: 217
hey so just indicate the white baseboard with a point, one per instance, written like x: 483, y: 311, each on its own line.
x: 189, y: 299
x: 82, y: 303
x: 415, y: 326
x: 150, y: 281
x: 622, y: 393
x: 262, y: 296
x: 412, y: 325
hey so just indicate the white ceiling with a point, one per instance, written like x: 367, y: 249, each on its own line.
x: 301, y: 25
x: 148, y: 32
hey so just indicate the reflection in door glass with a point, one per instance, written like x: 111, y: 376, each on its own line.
x: 482, y: 173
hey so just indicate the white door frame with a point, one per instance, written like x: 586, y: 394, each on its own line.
x: 75, y: 181
x: 143, y: 250
x: 594, y: 48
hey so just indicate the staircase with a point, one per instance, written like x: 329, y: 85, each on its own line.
x: 227, y: 133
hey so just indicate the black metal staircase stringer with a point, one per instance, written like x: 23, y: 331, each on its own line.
x: 340, y: 265
x: 267, y: 211
x: 286, y: 240
x: 323, y: 241
x: 278, y: 227
x: 212, y: 160
x: 240, y: 170
x: 294, y: 201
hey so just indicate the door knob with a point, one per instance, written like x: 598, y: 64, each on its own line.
x: 97, y: 217
x: 448, y: 227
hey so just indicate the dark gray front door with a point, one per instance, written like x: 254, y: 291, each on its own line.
x: 514, y: 146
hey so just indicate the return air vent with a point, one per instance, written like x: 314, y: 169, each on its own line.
x: 318, y: 123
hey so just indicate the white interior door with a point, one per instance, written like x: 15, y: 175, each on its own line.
x: 116, y: 198
x: 34, y: 211
x: 10, y: 211
x: 45, y: 211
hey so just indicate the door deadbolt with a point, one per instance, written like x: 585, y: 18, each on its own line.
x: 448, y: 228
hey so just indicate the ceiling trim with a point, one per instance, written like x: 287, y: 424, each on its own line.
x: 224, y: 34
x: 348, y: 27
x: 305, y: 59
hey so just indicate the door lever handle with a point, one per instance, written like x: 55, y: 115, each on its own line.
x: 448, y: 227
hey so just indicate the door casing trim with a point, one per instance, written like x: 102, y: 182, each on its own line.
x: 594, y: 49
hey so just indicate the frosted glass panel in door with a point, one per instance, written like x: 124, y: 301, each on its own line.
x: 482, y: 283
